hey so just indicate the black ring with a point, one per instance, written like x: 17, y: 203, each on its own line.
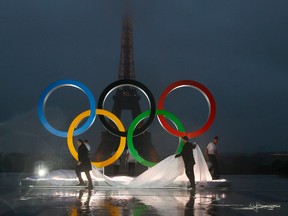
x: 139, y: 86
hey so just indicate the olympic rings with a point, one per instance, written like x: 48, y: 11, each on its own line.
x: 206, y: 93
x: 51, y: 88
x: 134, y: 124
x: 139, y: 86
x: 161, y: 114
x: 110, y: 115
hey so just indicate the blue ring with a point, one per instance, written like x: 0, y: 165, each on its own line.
x: 52, y: 87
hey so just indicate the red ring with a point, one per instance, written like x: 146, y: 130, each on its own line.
x: 206, y: 93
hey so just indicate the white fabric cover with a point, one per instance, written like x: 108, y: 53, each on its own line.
x: 167, y: 172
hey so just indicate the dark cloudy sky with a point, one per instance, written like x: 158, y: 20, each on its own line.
x: 237, y: 49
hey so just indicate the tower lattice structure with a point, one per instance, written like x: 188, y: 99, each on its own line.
x: 126, y: 98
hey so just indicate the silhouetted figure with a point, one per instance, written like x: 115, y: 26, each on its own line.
x: 188, y: 158
x: 130, y: 160
x: 84, y: 164
x: 116, y: 164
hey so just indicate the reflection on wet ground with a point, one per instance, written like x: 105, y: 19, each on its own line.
x: 107, y: 201
x: 238, y: 200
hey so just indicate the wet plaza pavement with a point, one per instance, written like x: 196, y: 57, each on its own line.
x: 248, y: 195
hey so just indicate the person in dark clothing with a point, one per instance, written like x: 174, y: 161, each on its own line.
x: 84, y: 164
x: 188, y: 158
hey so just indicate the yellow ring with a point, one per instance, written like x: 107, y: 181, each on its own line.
x: 111, y: 116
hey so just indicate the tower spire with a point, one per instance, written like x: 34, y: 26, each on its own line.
x: 126, y: 67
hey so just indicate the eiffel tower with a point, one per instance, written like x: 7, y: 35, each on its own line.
x: 126, y: 98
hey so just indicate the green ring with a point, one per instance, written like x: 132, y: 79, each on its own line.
x: 134, y: 124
